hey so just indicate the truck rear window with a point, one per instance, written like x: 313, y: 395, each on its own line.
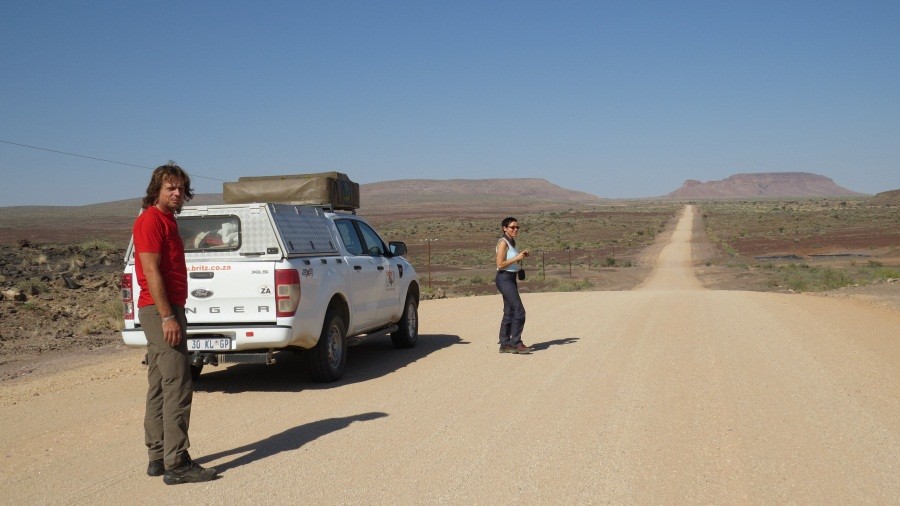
x: 205, y: 233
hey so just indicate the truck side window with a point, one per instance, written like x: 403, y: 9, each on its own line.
x: 217, y: 233
x: 374, y: 245
x: 349, y: 236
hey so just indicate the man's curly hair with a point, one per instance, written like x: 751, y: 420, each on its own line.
x: 160, y: 175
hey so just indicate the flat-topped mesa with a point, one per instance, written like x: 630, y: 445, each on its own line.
x: 762, y: 185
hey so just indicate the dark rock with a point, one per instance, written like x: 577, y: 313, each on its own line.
x: 70, y: 283
x: 24, y: 243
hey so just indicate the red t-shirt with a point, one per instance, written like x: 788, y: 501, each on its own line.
x: 157, y: 232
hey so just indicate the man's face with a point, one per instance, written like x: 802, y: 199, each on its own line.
x: 171, y: 195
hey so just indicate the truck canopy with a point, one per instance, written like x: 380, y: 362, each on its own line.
x: 326, y: 188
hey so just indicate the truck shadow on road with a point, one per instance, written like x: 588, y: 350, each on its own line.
x: 291, y: 439
x: 369, y: 360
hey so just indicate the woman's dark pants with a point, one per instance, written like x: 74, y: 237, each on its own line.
x: 513, y: 311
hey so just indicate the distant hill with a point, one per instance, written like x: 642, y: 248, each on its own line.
x: 761, y: 185
x: 382, y: 201
x: 469, y: 196
x: 888, y: 198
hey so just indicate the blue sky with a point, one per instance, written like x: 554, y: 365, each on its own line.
x: 618, y: 99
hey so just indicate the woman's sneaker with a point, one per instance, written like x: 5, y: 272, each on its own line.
x: 189, y: 472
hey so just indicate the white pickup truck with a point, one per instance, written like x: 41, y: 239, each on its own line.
x: 267, y: 277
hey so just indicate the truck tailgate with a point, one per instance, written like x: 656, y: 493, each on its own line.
x: 230, y: 292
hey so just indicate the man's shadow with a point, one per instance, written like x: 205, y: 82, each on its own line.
x: 555, y: 342
x: 291, y: 439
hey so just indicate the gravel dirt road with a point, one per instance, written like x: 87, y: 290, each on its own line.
x: 665, y: 394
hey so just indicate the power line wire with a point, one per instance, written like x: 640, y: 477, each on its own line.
x: 100, y: 159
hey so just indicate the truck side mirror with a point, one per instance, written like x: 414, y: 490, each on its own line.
x: 397, y: 248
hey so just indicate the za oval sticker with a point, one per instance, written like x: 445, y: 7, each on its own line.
x: 202, y: 293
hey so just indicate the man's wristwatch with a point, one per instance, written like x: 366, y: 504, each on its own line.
x: 168, y: 318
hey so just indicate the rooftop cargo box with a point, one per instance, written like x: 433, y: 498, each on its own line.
x: 325, y: 188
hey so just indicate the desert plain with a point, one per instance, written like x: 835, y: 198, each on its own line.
x: 679, y: 358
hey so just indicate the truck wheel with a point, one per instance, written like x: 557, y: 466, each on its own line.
x: 327, y: 358
x: 195, y: 371
x: 408, y: 332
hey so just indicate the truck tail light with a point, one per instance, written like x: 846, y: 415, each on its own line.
x: 287, y: 292
x: 127, y: 297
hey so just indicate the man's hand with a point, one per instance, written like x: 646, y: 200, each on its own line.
x: 172, y: 332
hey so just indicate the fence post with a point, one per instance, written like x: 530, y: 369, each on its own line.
x: 429, y: 241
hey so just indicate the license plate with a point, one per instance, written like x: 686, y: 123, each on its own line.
x: 209, y: 344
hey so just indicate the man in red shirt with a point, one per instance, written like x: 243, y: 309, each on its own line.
x: 162, y: 276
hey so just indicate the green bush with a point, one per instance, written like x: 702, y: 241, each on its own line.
x: 572, y: 286
x: 32, y: 306
x: 804, y: 278
x: 97, y: 244
x: 32, y: 286
x: 113, y: 310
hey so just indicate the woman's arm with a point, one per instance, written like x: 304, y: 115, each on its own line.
x: 501, y: 254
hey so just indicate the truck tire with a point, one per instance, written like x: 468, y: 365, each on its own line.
x: 408, y: 332
x: 327, y: 358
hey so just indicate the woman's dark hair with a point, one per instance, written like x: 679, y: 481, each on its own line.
x: 507, y: 221
x: 160, y: 175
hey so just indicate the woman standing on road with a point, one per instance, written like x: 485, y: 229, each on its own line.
x: 508, y: 266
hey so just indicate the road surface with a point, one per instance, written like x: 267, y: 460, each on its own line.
x: 665, y: 394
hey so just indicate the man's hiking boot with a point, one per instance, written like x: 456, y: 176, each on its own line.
x: 506, y: 349
x: 189, y: 472
x: 521, y: 349
x: 156, y: 468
